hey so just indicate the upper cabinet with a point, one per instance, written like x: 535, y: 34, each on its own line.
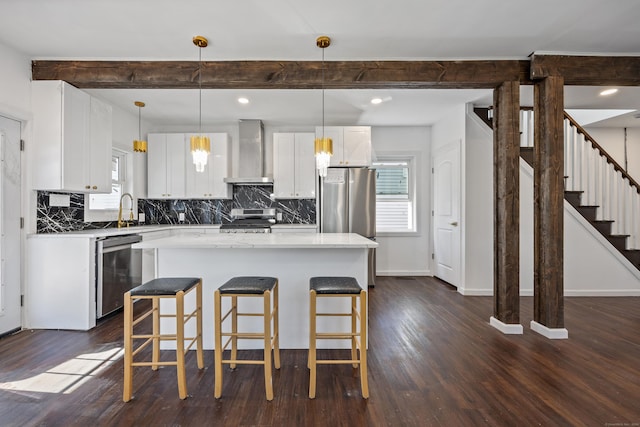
x: 166, y: 159
x: 294, y: 175
x: 72, y: 138
x: 210, y: 183
x: 351, y: 144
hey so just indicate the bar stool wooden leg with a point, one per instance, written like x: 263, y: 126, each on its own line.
x: 199, y: 346
x: 155, y: 358
x: 276, y: 329
x: 128, y: 347
x: 364, y: 382
x: 182, y: 380
x: 268, y: 383
x: 217, y: 308
x: 312, y: 345
x: 354, y: 330
x: 234, y: 331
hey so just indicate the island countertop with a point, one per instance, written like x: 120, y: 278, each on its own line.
x: 259, y: 240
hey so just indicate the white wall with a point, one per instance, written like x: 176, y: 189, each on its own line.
x: 407, y: 255
x: 478, y: 184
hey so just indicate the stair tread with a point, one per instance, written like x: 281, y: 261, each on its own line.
x: 573, y: 191
x: 618, y: 235
x: 603, y: 220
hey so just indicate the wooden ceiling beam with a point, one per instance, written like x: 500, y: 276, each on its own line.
x: 283, y: 74
x: 588, y: 70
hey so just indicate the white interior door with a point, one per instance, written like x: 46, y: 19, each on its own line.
x: 10, y: 312
x: 446, y: 213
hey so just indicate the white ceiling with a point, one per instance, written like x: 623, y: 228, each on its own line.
x: 287, y: 29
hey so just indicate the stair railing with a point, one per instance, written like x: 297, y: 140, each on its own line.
x: 590, y: 169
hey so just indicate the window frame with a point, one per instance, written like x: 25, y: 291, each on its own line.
x: 102, y: 215
x: 411, y: 159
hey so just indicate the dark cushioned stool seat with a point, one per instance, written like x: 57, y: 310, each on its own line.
x: 165, y: 286
x: 334, y: 285
x: 248, y: 285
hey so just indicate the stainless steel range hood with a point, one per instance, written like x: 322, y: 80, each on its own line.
x: 251, y: 162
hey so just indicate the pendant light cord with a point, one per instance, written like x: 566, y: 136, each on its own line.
x: 200, y: 90
x: 323, y: 93
x: 139, y: 122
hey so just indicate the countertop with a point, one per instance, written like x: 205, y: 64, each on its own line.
x: 263, y: 241
x: 108, y: 232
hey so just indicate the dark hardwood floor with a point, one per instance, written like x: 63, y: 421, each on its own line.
x: 433, y: 361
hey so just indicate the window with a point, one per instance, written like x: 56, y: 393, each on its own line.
x: 104, y: 207
x: 395, y: 183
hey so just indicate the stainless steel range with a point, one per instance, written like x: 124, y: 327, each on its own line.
x: 250, y: 221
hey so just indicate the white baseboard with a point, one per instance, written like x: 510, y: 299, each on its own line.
x: 506, y: 328
x: 567, y: 293
x: 475, y: 292
x: 551, y: 333
x: 404, y: 273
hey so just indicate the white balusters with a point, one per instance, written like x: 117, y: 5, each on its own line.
x: 587, y: 170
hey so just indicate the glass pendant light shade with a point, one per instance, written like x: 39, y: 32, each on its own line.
x: 200, y: 149
x: 323, y: 151
x: 323, y: 148
x: 139, y: 145
x: 200, y: 144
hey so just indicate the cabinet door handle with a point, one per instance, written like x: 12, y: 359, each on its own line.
x: 87, y: 187
x: 95, y: 187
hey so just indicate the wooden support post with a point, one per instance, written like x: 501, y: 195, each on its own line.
x: 506, y: 182
x: 548, y: 286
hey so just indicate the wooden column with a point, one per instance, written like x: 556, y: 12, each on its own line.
x: 548, y: 193
x: 506, y: 184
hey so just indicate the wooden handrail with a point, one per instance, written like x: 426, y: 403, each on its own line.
x: 602, y: 151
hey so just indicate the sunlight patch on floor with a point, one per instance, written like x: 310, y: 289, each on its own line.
x: 66, y: 377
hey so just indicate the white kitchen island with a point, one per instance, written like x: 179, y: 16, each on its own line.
x: 291, y: 257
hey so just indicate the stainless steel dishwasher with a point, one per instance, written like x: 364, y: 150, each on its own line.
x: 118, y: 269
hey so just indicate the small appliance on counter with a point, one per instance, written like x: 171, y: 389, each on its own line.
x: 250, y: 221
x: 348, y: 205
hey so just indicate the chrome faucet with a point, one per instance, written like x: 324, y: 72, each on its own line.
x: 121, y: 222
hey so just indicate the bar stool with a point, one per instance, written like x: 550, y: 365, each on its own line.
x: 340, y: 287
x: 154, y: 290
x: 247, y: 286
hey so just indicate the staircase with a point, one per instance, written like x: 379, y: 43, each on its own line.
x: 595, y: 184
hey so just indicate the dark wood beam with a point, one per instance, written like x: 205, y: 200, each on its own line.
x: 548, y: 193
x: 283, y: 74
x: 588, y: 70
x: 506, y: 185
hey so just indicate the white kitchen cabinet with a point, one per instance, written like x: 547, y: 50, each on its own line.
x: 210, y: 183
x: 351, y: 144
x: 294, y: 175
x: 60, y: 290
x: 166, y: 161
x: 72, y: 137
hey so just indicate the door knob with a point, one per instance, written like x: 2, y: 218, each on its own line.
x: 454, y: 223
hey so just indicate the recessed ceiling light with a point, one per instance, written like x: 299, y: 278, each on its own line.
x: 608, y: 92
x: 243, y: 100
x: 376, y: 101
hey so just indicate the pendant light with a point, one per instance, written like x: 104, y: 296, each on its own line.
x: 323, y: 146
x: 139, y: 145
x: 200, y: 144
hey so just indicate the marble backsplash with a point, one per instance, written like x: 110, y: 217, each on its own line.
x: 51, y: 219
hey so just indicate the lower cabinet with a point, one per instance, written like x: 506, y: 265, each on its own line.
x: 60, y: 287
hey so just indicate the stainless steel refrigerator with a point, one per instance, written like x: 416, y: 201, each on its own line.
x: 348, y: 205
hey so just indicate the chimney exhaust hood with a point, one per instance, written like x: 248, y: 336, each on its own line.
x: 251, y: 162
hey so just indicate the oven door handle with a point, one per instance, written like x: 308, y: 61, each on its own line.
x: 115, y: 248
